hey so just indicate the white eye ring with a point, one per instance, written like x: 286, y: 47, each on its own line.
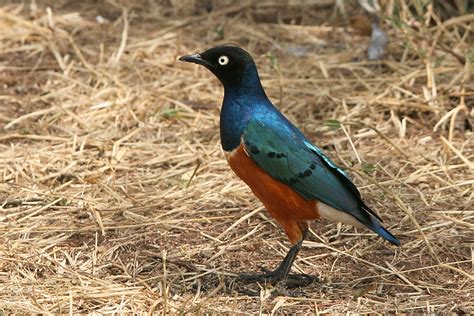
x: 223, y: 60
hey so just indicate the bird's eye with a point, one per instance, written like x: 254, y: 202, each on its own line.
x: 223, y: 60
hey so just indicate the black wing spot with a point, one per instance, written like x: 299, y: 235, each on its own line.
x: 312, y: 166
x: 247, y: 143
x: 254, y: 150
x: 273, y: 154
x: 292, y: 181
x: 305, y: 173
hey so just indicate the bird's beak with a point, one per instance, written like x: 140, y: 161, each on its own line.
x: 196, y: 59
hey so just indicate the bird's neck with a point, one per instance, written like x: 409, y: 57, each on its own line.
x: 249, y: 85
x: 241, y: 102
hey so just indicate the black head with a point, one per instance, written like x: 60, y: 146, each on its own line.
x: 227, y: 63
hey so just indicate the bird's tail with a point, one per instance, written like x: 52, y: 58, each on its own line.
x: 385, y: 234
x: 373, y: 222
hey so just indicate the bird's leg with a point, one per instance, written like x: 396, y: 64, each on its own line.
x: 282, y: 273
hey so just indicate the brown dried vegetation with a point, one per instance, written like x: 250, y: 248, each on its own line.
x: 115, y: 196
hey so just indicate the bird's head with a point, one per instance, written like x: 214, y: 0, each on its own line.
x: 228, y: 63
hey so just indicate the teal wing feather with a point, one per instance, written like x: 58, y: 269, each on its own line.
x: 289, y: 157
x: 294, y: 161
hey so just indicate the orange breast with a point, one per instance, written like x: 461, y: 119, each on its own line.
x: 290, y: 209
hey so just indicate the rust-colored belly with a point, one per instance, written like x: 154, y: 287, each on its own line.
x: 284, y: 204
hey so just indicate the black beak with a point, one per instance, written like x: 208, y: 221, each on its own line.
x: 196, y: 59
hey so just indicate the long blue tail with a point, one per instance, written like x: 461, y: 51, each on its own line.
x: 373, y: 222
x: 385, y: 234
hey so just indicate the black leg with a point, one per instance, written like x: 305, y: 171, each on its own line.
x: 284, y: 268
x: 282, y: 273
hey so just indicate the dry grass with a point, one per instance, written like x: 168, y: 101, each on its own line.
x: 115, y: 196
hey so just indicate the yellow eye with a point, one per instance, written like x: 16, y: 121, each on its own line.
x: 223, y: 60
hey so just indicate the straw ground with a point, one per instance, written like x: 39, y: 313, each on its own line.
x: 115, y: 195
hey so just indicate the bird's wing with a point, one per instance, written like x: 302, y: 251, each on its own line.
x: 293, y: 160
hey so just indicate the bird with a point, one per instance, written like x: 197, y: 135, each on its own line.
x: 294, y: 179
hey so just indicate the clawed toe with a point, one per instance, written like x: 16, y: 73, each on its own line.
x: 300, y: 280
x: 273, y: 277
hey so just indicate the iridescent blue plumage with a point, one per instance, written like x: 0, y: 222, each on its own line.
x: 292, y: 177
x: 274, y: 143
x: 242, y: 103
x: 280, y: 148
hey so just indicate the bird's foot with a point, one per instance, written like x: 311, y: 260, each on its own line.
x: 278, y: 277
